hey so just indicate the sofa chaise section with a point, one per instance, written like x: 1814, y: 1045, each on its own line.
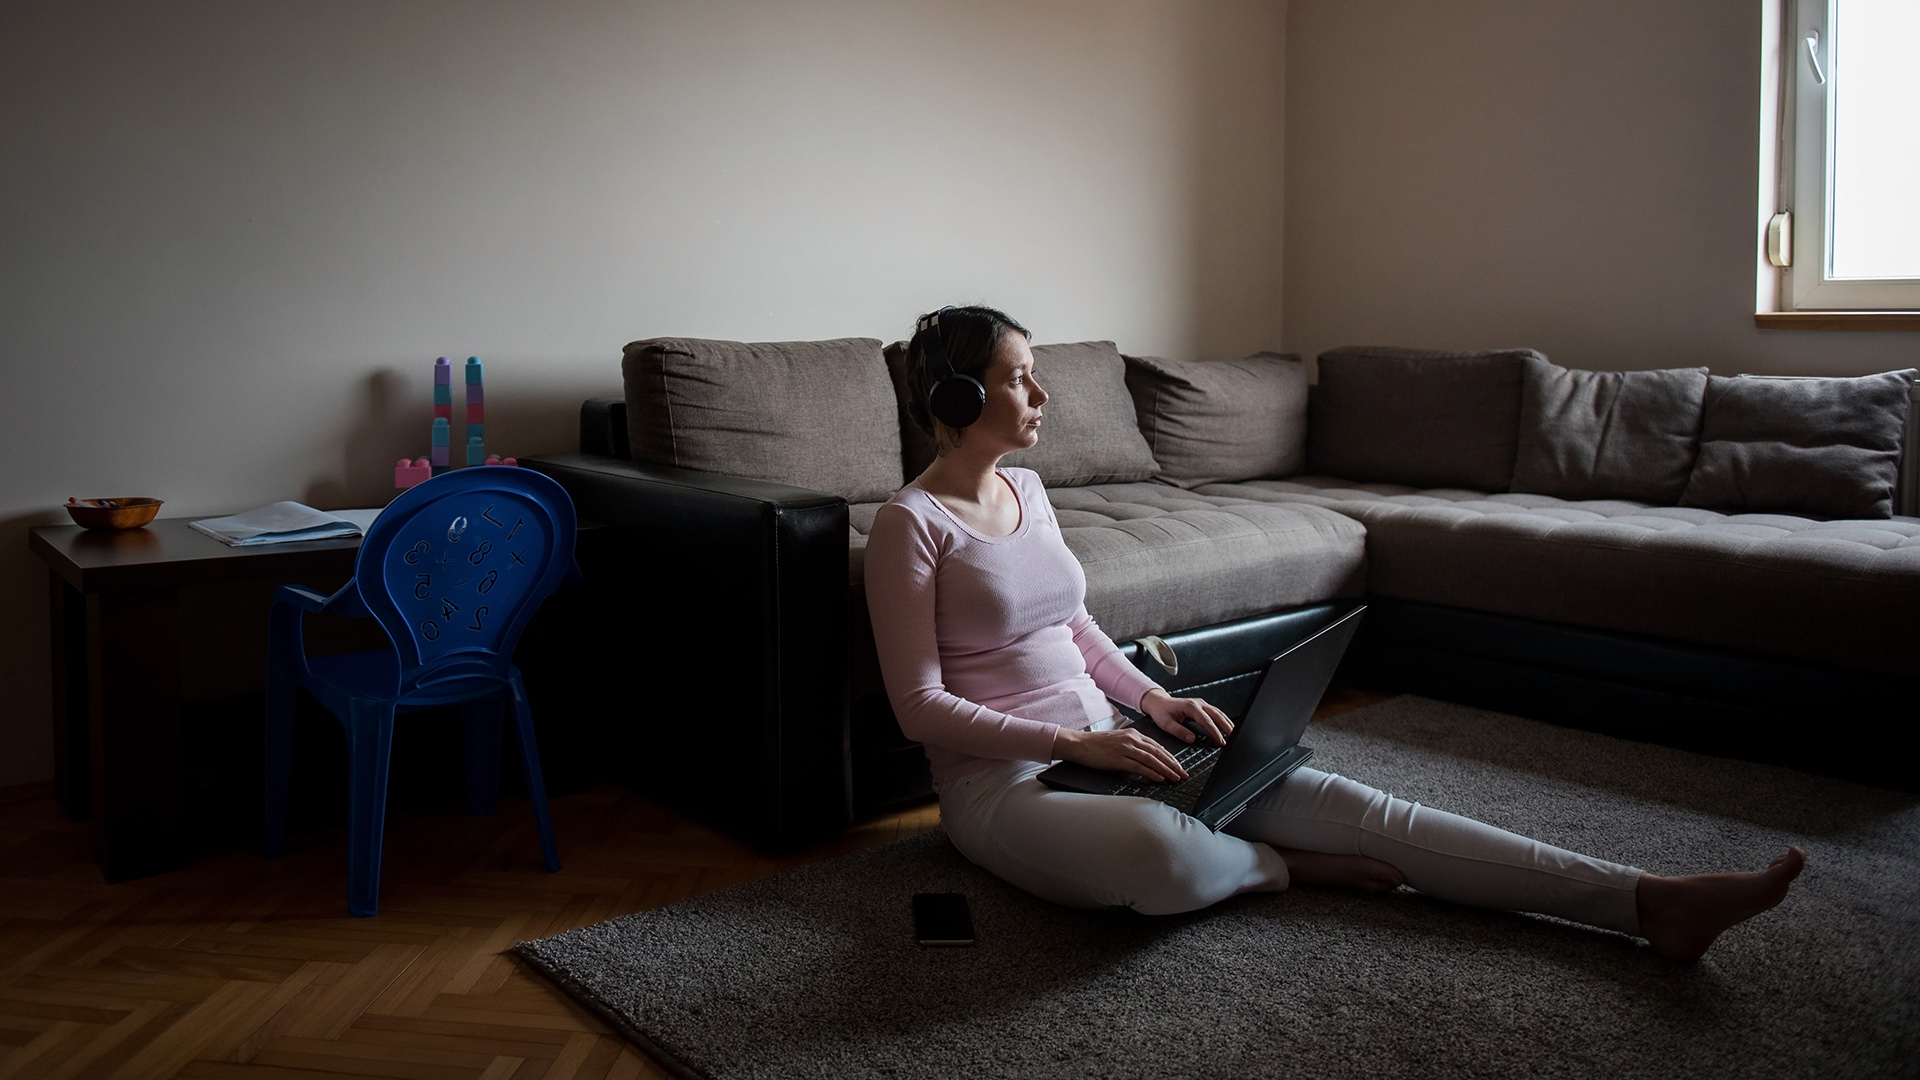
x: 1845, y: 593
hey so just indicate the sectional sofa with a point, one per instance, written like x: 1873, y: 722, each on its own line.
x: 1667, y: 555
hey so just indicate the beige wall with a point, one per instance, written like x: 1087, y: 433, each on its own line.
x: 1565, y: 174
x: 236, y: 233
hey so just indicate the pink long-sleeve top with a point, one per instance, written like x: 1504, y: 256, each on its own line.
x: 985, y: 642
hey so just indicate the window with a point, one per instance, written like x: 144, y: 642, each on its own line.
x: 1850, y: 160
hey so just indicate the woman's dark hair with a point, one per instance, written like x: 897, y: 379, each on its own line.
x: 971, y: 334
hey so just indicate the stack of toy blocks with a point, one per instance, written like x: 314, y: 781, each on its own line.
x: 408, y: 473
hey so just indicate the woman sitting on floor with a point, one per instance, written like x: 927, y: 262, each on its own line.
x: 992, y: 661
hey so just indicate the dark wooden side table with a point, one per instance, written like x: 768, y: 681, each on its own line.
x: 114, y: 607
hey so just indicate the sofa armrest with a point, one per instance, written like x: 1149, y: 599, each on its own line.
x: 603, y: 427
x: 725, y: 612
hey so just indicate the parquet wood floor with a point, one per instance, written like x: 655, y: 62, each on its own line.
x: 243, y: 969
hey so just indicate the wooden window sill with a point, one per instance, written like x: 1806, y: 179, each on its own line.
x: 1837, y: 320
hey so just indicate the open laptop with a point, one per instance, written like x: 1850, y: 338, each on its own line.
x: 1264, y: 746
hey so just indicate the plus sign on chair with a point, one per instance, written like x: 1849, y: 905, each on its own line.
x: 452, y: 571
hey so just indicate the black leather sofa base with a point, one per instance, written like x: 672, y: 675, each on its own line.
x: 1733, y: 704
x: 721, y: 663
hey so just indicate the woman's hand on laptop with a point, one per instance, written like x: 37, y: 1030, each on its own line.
x: 1119, y: 750
x: 1173, y: 714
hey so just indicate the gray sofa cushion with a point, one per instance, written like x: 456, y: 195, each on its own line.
x: 815, y: 414
x: 1089, y: 435
x: 1226, y: 420
x: 1838, y: 592
x: 1608, y: 434
x: 1159, y: 559
x: 1407, y: 416
x: 1825, y: 448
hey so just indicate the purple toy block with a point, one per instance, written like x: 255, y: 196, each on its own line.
x: 476, y: 393
x: 443, y: 372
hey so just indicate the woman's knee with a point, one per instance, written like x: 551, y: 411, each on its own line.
x: 1175, y: 864
x: 1149, y: 844
x: 1100, y: 851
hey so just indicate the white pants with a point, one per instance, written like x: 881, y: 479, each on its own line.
x: 1092, y: 851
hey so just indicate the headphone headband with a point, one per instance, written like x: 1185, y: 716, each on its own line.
x: 937, y: 343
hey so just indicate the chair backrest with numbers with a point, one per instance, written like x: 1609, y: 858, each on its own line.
x: 455, y: 567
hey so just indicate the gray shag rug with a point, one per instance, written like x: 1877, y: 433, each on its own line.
x: 814, y: 972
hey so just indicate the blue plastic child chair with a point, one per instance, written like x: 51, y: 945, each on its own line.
x: 451, y: 570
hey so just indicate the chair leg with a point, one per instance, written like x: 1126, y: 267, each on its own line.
x: 480, y: 732
x: 536, y: 784
x: 282, y: 693
x: 369, y: 749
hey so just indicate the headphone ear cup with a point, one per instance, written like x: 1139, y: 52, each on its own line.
x: 957, y: 400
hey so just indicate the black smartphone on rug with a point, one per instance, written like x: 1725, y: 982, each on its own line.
x: 942, y: 918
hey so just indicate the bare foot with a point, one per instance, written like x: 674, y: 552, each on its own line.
x: 1344, y: 871
x: 1680, y: 916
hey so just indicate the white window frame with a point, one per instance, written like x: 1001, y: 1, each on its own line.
x: 1805, y: 166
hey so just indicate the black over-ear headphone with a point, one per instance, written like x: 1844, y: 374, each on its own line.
x: 956, y: 400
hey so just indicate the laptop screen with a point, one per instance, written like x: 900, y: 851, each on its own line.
x: 1288, y: 693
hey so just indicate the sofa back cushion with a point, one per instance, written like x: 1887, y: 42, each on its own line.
x: 1823, y: 448
x: 1088, y: 435
x: 814, y: 414
x: 1608, y: 434
x: 1416, y: 417
x: 1227, y: 420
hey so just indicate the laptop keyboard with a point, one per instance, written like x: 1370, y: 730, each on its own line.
x: 1198, y: 759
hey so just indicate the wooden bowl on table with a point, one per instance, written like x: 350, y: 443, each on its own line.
x: 123, y: 513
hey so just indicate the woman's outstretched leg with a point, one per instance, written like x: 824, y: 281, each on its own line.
x: 1443, y: 855
x: 1469, y: 862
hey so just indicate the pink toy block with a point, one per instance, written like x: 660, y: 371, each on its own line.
x: 476, y: 414
x: 408, y: 473
x: 443, y: 412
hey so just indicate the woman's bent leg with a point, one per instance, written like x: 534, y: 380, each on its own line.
x: 1093, y: 851
x: 1444, y: 855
